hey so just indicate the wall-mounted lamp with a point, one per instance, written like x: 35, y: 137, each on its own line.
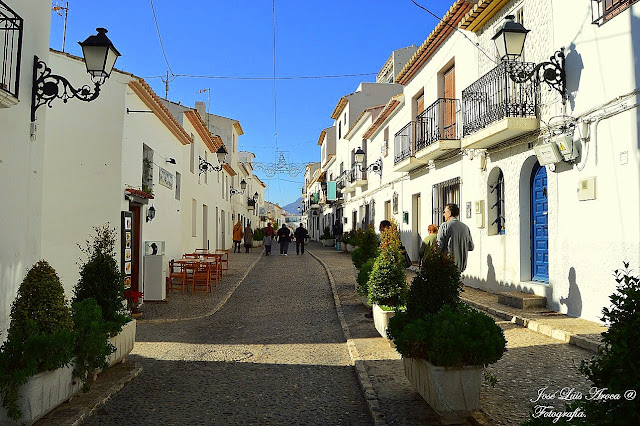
x: 234, y: 191
x: 151, y: 213
x: 205, y: 166
x: 509, y: 42
x: 375, y: 167
x: 171, y: 160
x: 99, y: 56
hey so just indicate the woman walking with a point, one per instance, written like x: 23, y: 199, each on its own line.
x: 268, y: 239
x: 248, y: 238
x: 237, y: 235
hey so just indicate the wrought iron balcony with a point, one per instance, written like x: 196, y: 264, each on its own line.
x: 11, y: 29
x: 603, y: 10
x: 496, y: 96
x: 357, y: 175
x: 402, y: 143
x: 437, y: 122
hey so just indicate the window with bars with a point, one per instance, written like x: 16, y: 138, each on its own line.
x: 603, y: 10
x: 496, y: 199
x: 444, y: 193
x: 11, y: 30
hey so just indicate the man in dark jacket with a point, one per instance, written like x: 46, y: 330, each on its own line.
x: 284, y: 237
x: 300, y: 235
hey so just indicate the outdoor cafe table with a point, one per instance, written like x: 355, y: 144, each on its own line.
x: 212, y: 258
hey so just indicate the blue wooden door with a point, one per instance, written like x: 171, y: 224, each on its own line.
x: 539, y: 225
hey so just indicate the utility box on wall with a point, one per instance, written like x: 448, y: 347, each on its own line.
x: 479, y: 213
x: 587, y: 189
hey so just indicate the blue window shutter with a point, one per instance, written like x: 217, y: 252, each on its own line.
x: 331, y: 191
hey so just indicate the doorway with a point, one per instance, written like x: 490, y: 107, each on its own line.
x: 539, y: 225
x: 222, y: 229
x: 205, y: 222
x: 136, y: 270
x: 416, y: 224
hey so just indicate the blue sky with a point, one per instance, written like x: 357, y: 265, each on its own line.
x: 235, y: 38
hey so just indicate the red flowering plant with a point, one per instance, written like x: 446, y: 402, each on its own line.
x: 133, y: 298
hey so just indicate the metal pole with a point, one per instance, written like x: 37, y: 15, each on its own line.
x: 64, y: 34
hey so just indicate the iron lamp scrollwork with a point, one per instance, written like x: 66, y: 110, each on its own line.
x: 204, y: 166
x: 234, y: 191
x: 100, y: 56
x: 375, y: 167
x: 509, y: 42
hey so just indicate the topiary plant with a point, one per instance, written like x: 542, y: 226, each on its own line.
x: 388, y: 280
x: 437, y: 284
x: 101, y: 279
x: 92, y: 346
x: 40, y: 335
x: 452, y: 337
x: 363, y: 278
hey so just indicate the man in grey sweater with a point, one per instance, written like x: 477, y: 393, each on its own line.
x: 455, y: 237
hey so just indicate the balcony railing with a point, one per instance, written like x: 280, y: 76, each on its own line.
x: 10, y: 49
x: 437, y: 122
x: 356, y: 174
x: 402, y: 143
x: 496, y: 96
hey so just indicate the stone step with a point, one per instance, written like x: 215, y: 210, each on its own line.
x: 518, y: 299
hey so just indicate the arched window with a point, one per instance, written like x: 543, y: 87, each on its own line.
x: 495, y: 200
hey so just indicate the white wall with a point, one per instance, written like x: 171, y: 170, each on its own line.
x: 21, y: 164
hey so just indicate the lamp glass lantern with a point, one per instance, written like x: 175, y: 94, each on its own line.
x: 359, y: 155
x: 243, y: 184
x: 99, y: 55
x: 221, y: 153
x: 256, y: 196
x: 510, y: 39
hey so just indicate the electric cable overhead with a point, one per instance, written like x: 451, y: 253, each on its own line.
x: 298, y: 77
x: 275, y: 96
x: 155, y: 18
x: 477, y: 45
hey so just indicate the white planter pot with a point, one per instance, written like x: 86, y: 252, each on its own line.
x: 123, y: 342
x: 257, y: 243
x: 42, y: 393
x: 329, y: 242
x: 381, y: 319
x: 453, y: 393
x: 350, y: 248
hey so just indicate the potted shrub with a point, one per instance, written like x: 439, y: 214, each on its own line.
x: 326, y: 238
x: 362, y: 282
x: 367, y: 243
x: 258, y: 235
x: 347, y: 241
x: 444, y: 344
x: 388, y: 281
x: 102, y: 280
x: 35, y: 359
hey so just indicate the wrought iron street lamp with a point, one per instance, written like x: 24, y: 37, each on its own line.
x: 509, y: 42
x: 375, y: 167
x: 234, y: 191
x: 100, y: 56
x: 205, y: 166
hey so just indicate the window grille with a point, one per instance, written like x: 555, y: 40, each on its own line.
x: 603, y: 10
x: 498, y: 188
x: 444, y: 193
x: 11, y: 26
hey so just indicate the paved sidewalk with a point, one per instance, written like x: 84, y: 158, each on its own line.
x: 532, y: 361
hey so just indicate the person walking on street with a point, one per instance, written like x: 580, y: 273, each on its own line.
x: 337, y: 233
x: 284, y: 237
x: 268, y: 239
x: 300, y: 235
x: 455, y: 237
x: 237, y: 236
x: 429, y: 241
x: 248, y: 238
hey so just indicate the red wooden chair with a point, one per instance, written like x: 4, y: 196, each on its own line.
x: 201, y: 277
x: 225, y: 258
x: 178, y: 276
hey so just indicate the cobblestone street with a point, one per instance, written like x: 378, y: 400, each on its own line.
x: 268, y: 348
x: 273, y: 354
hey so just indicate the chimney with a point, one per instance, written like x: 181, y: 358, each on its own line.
x: 201, y: 107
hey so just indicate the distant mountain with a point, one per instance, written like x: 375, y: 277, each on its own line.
x: 292, y: 208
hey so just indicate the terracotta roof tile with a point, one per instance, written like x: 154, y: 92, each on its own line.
x: 229, y: 169
x: 440, y: 33
x: 139, y: 193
